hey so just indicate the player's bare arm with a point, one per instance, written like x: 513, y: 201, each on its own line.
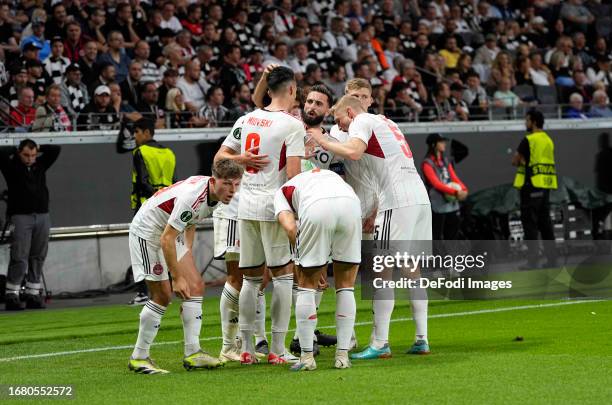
x: 294, y: 166
x: 353, y: 149
x: 189, y: 237
x: 287, y: 221
x: 179, y: 282
x: 248, y: 158
x: 262, y: 87
x: 518, y: 159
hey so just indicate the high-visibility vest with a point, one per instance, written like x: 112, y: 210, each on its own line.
x: 160, y: 163
x: 541, y: 166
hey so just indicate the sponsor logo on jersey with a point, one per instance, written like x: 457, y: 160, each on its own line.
x: 158, y: 269
x: 186, y: 216
x: 237, y: 133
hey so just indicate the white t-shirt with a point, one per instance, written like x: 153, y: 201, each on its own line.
x: 194, y: 93
x: 173, y: 23
x: 388, y: 162
x: 356, y: 177
x: 279, y: 135
x: 300, y: 192
x: 180, y: 205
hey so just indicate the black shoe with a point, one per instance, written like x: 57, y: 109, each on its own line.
x: 325, y: 340
x: 12, y: 303
x: 262, y: 348
x: 139, y: 299
x: 35, y: 302
x: 295, y: 348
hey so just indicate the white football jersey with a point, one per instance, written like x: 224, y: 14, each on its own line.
x: 232, y: 141
x: 278, y: 135
x: 355, y: 176
x: 180, y: 205
x: 388, y: 162
x: 308, y: 187
x: 323, y: 159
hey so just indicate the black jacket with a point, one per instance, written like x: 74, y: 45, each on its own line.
x: 27, y: 186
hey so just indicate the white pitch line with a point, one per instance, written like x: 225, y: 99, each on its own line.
x: 173, y: 342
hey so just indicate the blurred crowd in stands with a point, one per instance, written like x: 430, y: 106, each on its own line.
x: 89, y: 64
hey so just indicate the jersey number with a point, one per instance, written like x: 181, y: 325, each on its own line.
x: 252, y: 141
x: 401, y: 139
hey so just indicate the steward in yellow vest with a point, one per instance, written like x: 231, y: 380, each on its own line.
x: 536, y: 175
x: 154, y: 164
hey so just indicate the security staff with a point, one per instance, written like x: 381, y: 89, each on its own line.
x: 153, y: 169
x: 536, y: 175
x: 439, y: 173
x: 28, y: 208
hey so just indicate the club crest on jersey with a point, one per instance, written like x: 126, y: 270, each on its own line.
x: 237, y: 133
x: 186, y: 216
x: 158, y: 269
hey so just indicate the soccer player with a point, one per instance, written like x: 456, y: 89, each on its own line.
x: 330, y: 222
x: 280, y: 136
x: 380, y: 150
x: 227, y: 247
x: 161, y: 239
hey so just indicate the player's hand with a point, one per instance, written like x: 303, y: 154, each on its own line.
x: 462, y: 195
x: 252, y: 159
x: 368, y: 224
x: 269, y: 68
x: 323, y: 284
x: 316, y: 134
x: 181, y: 288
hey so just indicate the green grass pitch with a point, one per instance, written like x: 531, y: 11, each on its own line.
x: 565, y: 357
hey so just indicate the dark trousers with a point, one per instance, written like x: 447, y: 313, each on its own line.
x: 445, y: 226
x: 535, y: 217
x: 28, y: 251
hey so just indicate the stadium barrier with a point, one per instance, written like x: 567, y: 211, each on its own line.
x: 90, y: 185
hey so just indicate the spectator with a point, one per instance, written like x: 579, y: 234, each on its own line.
x: 130, y: 86
x: 502, y: 67
x: 95, y: 27
x: 450, y: 53
x: 183, y: 39
x: 123, y: 22
x: 193, y: 22
x: 213, y: 111
x: 123, y: 110
x: 581, y: 49
x: 99, y: 115
x: 240, y: 103
x: 300, y: 60
x: 419, y: 53
x: 577, y: 16
x: 209, y: 69
x: 37, y: 80
x: 116, y: 55
x: 600, y: 105
x: 580, y: 86
x: 38, y: 38
x: 107, y: 76
x: 10, y: 91
x: 523, y: 72
x: 150, y: 71
x: 192, y: 86
x: 74, y: 43
x: 600, y: 71
x: 313, y: 75
x: 284, y: 19
x: 174, y: 60
x: 28, y: 210
x: 439, y: 174
x: 336, y: 80
x: 279, y: 56
x: 540, y: 73
x: 169, y: 20
x: 318, y: 48
x: 74, y: 93
x: 23, y: 115
x: 150, y: 32
x: 51, y: 116
x: 56, y: 25
x: 56, y: 64
x: 168, y: 82
x: 87, y: 62
x: 456, y: 100
x: 464, y: 67
x: 476, y: 97
x: 439, y: 107
x: 337, y: 38
x: 486, y: 54
x: 148, y: 104
x: 504, y: 96
x: 180, y: 117
x: 400, y: 105
x: 576, y: 108
x: 231, y: 73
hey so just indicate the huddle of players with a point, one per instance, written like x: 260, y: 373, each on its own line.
x: 257, y: 230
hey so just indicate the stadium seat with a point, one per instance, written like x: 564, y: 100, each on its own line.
x: 547, y: 96
x: 526, y: 92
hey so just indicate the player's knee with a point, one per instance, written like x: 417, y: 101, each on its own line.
x: 235, y: 280
x: 197, y: 288
x: 161, y: 297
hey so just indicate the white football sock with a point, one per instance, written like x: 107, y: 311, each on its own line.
x: 260, y: 318
x: 318, y: 297
x: 228, y: 306
x: 294, y: 294
x: 247, y: 310
x: 306, y: 318
x: 384, y: 301
x: 419, y: 303
x: 191, y: 315
x: 280, y: 311
x: 345, y: 317
x: 150, y: 319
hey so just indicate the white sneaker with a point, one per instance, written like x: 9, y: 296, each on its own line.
x: 342, y: 359
x: 229, y: 354
x: 306, y: 363
x: 289, y: 358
